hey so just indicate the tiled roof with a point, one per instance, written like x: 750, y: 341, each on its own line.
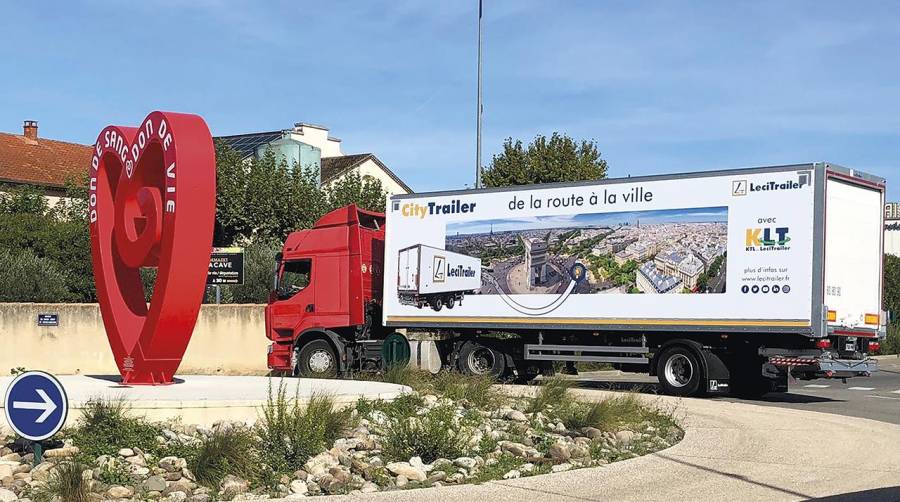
x: 333, y: 167
x: 43, y: 162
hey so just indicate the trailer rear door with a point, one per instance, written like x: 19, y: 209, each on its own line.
x: 853, y: 254
x: 408, y: 269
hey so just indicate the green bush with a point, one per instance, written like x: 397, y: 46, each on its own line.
x: 554, y: 393
x: 401, y: 374
x: 26, y: 277
x: 478, y: 390
x: 435, y: 434
x: 106, y: 427
x: 290, y: 432
x: 227, y: 451
x: 608, y: 414
x: 65, y: 484
x: 891, y: 344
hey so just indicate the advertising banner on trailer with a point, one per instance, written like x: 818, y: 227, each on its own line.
x: 733, y: 248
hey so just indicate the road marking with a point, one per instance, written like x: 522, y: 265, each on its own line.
x: 884, y: 397
x: 860, y: 388
x: 895, y: 392
x: 816, y: 386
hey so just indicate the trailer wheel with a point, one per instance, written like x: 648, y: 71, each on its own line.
x: 477, y: 359
x: 437, y: 303
x: 451, y: 302
x: 316, y: 359
x: 679, y: 372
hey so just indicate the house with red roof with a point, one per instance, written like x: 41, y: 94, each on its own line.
x: 28, y: 160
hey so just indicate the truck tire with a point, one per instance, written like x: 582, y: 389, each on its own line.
x: 478, y: 359
x: 679, y: 371
x: 437, y: 303
x: 316, y: 359
x: 451, y: 302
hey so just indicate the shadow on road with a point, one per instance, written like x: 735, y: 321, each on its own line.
x: 740, y: 477
x: 875, y: 495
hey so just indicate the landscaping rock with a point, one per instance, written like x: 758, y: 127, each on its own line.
x: 559, y: 452
x: 467, y: 463
x: 406, y: 470
x: 515, y: 449
x: 66, y: 451
x: 7, y: 495
x: 126, y: 452
x: 516, y: 416
x: 298, y: 486
x: 155, y: 484
x: 320, y: 463
x: 561, y: 467
x: 233, y: 485
x: 119, y: 492
x: 513, y: 474
x: 592, y: 432
x: 624, y: 438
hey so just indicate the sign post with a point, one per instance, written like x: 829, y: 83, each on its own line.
x: 36, y: 407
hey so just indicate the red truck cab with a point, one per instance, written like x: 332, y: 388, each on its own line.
x: 327, y: 290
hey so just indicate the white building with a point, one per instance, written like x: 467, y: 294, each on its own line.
x: 892, y: 228
x: 310, y: 146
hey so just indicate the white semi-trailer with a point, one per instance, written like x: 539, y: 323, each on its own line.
x: 713, y: 281
x: 435, y: 277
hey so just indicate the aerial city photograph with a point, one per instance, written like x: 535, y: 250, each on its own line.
x: 653, y: 252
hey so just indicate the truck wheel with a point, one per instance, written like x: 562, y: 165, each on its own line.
x: 316, y: 359
x: 437, y: 303
x: 477, y: 359
x: 451, y: 302
x: 679, y: 372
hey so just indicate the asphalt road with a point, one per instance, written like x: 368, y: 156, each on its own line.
x: 876, y: 397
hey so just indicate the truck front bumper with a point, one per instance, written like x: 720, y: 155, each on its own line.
x: 824, y: 366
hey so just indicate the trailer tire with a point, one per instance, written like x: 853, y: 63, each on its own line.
x: 316, y: 359
x: 680, y: 371
x: 478, y: 359
x: 451, y: 302
x: 437, y: 303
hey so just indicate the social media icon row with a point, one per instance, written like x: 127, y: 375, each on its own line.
x: 765, y: 288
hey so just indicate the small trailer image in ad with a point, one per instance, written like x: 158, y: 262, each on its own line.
x: 435, y: 277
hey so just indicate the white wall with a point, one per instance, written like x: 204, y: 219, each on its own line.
x: 317, y: 137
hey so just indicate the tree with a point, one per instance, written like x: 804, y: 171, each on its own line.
x: 264, y: 198
x: 559, y: 158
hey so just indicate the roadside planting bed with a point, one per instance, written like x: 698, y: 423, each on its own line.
x: 450, y: 430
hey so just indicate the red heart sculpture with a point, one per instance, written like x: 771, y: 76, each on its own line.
x: 152, y: 203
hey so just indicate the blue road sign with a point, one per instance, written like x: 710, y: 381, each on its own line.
x: 36, y: 405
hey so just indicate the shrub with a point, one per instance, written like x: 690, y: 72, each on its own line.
x: 554, y: 393
x: 26, y: 277
x: 401, y: 374
x: 891, y: 344
x: 105, y: 427
x: 290, y: 433
x: 65, y: 483
x: 226, y: 451
x: 435, y: 434
x: 478, y: 390
x: 608, y: 414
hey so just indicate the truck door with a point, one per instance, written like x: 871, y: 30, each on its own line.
x: 296, y: 298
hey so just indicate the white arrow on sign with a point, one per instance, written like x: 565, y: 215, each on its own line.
x: 48, y: 406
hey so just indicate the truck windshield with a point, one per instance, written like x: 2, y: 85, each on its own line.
x: 294, y: 278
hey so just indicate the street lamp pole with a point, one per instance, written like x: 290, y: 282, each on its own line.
x: 479, y: 110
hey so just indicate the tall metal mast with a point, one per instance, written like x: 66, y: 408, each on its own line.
x: 479, y: 111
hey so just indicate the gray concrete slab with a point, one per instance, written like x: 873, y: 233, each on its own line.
x: 205, y: 399
x: 731, y: 451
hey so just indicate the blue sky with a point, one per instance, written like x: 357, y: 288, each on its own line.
x: 662, y: 86
x: 687, y: 215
